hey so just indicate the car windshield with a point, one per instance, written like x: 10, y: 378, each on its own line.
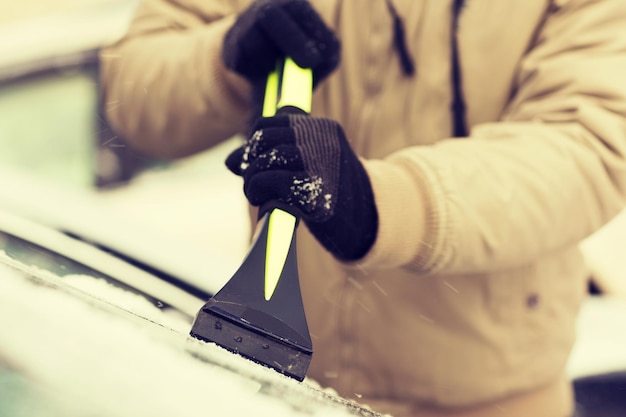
x: 43, y: 259
x: 67, y: 353
x: 39, y: 261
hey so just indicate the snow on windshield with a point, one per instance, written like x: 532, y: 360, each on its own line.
x: 80, y: 360
x: 105, y: 291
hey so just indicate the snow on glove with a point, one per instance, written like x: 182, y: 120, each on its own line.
x: 270, y: 30
x: 307, y: 164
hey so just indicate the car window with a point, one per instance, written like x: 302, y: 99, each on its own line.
x: 41, y: 260
x: 33, y: 255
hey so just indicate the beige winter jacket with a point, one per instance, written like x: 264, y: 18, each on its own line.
x: 470, y: 294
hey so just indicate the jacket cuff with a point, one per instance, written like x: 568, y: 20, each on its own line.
x: 401, y: 216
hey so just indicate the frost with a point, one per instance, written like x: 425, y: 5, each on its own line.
x: 77, y: 356
x: 310, y: 195
x: 276, y: 158
x: 447, y: 284
x: 328, y: 201
x: 250, y: 150
x: 273, y: 158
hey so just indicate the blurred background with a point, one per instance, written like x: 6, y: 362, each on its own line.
x: 48, y: 102
x: 53, y: 135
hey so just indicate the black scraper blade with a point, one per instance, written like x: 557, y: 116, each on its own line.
x: 257, y: 316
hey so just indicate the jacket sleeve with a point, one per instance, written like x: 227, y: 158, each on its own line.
x: 164, y: 88
x: 549, y: 173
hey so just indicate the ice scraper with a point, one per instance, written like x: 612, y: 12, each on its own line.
x: 259, y: 312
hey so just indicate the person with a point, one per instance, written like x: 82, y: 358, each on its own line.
x: 456, y: 154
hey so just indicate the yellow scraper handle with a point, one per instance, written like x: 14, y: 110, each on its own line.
x: 291, y: 87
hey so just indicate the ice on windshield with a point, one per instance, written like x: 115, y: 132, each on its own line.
x: 62, y: 356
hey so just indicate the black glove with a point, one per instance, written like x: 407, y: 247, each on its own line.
x: 307, y: 164
x: 270, y: 30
